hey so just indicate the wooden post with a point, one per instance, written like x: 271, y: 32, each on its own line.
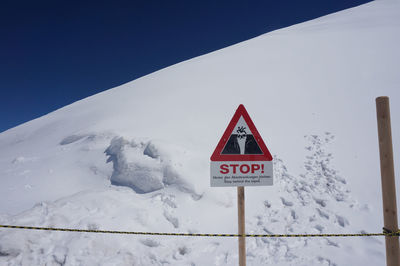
x: 241, y: 226
x: 388, y: 182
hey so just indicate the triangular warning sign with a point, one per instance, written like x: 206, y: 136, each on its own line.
x: 241, y: 141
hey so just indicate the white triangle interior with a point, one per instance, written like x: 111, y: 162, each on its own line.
x: 241, y: 123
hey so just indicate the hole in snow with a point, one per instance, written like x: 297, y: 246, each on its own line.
x: 183, y: 250
x: 150, y: 242
x: 72, y: 139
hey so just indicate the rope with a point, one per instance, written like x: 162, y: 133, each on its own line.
x: 386, y: 232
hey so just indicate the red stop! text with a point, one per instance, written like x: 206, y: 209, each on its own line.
x: 241, y: 168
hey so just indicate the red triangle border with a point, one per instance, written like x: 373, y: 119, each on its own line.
x: 217, y: 156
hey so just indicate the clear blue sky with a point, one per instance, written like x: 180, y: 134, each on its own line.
x: 57, y: 52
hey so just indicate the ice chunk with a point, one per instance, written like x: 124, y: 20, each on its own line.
x: 131, y: 168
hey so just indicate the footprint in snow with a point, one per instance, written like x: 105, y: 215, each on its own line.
x: 286, y: 202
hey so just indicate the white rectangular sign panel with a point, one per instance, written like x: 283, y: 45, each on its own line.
x: 240, y: 174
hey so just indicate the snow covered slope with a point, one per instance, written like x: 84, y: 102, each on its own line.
x: 136, y: 157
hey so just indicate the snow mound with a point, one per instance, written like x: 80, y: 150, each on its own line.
x: 142, y: 166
